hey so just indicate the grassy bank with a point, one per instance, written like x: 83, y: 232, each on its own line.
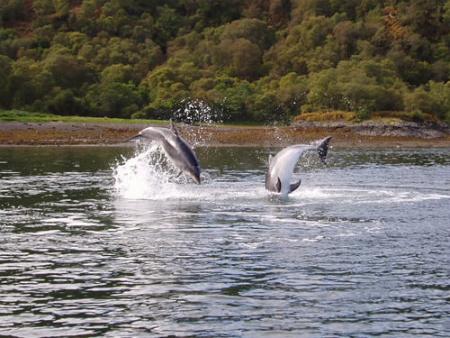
x: 26, y: 128
x: 29, y: 117
x: 22, y: 116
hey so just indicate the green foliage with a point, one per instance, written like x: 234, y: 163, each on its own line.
x: 118, y: 73
x: 5, y: 81
x: 291, y: 92
x: 11, y: 10
x: 43, y: 7
x: 168, y: 86
x: 113, y: 99
x: 29, y: 83
x: 254, y: 30
x: 233, y: 96
x: 22, y: 116
x: 63, y: 102
x: 239, y: 57
x: 261, y: 60
x: 8, y: 42
x: 439, y: 94
x: 354, y: 86
x: 167, y: 24
x: 432, y: 98
x: 68, y: 71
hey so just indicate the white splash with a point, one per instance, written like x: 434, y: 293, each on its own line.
x: 147, y: 175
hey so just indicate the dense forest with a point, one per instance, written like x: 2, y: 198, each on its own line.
x: 245, y: 60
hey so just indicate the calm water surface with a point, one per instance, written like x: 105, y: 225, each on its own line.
x: 88, y: 248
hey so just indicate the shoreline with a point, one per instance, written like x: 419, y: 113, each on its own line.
x: 108, y: 134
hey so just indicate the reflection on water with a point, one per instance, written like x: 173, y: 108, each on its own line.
x: 360, y: 249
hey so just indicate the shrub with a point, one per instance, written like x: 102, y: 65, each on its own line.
x: 64, y: 102
x: 353, y: 86
x: 418, y: 101
x: 11, y: 10
x: 113, y: 99
x: 326, y: 116
x: 432, y: 98
x: 139, y: 115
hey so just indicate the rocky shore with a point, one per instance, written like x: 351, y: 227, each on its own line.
x: 365, y: 134
x: 383, y: 128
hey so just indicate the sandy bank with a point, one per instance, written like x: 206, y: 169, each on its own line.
x: 62, y: 133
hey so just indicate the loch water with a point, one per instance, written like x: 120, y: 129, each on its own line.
x: 107, y: 241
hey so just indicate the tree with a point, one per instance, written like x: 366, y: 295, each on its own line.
x: 43, y: 7
x: 291, y: 92
x: 353, y: 86
x: 279, y: 12
x: 253, y: 30
x: 11, y: 10
x: 28, y: 82
x: 64, y: 102
x: 167, y: 25
x: 118, y: 73
x: 246, y: 58
x: 346, y: 35
x: 217, y: 12
x: 69, y: 71
x: 432, y: 98
x: 233, y: 97
x: 5, y: 81
x: 254, y: 60
x: 113, y: 99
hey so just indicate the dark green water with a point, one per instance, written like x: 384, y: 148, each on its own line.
x: 91, y: 249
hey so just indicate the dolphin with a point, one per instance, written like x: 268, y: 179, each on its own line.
x: 175, y: 147
x: 282, y: 165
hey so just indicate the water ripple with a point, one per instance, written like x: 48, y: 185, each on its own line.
x: 360, y: 249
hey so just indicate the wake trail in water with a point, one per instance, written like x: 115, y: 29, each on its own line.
x: 149, y: 175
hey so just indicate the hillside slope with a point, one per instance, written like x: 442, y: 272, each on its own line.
x: 233, y: 60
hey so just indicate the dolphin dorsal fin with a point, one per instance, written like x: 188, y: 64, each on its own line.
x: 173, y: 128
x: 294, y: 186
x: 278, y: 185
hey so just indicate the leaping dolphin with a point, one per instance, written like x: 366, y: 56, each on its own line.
x: 176, y: 148
x: 282, y: 165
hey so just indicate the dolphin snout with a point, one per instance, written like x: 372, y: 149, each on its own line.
x: 195, y: 174
x: 196, y: 178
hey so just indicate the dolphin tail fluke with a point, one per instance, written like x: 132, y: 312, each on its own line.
x: 322, y: 148
x: 294, y: 186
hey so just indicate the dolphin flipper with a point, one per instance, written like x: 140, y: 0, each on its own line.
x: 294, y: 186
x: 135, y: 138
x: 278, y: 185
